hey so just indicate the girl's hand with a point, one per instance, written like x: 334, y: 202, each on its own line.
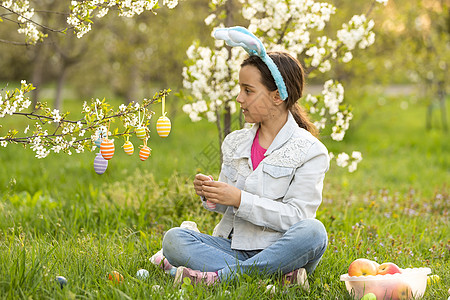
x: 198, y: 183
x: 222, y: 193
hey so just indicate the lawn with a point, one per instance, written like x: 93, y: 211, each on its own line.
x: 58, y: 217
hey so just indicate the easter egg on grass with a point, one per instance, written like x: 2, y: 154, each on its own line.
x: 144, y: 153
x: 100, y: 164
x: 163, y: 126
x: 128, y: 148
x: 115, y: 277
x: 141, y: 132
x: 107, y: 148
x: 142, y: 274
x: 61, y: 281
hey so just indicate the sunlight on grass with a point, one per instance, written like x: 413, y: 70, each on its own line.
x: 60, y: 218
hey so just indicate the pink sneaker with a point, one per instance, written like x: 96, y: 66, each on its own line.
x: 298, y: 277
x: 208, y: 278
x: 163, y: 263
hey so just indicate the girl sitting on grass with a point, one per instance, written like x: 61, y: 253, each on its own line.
x: 270, y: 184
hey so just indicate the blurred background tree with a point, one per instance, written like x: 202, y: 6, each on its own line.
x: 131, y: 58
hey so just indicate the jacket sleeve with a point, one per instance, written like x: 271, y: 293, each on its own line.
x: 301, y: 201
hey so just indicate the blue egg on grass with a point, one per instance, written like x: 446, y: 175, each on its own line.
x: 61, y: 280
x: 100, y: 164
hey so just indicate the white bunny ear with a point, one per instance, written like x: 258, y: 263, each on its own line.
x: 221, y: 34
x: 245, y: 40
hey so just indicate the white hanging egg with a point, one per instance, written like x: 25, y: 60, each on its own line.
x: 100, y: 164
x: 141, y: 132
x: 144, y: 153
x: 128, y: 148
x: 163, y: 126
x: 107, y: 148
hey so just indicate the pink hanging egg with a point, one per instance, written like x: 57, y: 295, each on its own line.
x: 107, y: 148
x: 163, y: 126
x: 144, y: 153
x: 141, y: 132
x: 128, y: 148
x: 100, y: 164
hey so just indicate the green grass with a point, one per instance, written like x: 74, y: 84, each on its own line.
x: 57, y: 217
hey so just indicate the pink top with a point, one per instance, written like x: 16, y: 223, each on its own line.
x: 257, y: 153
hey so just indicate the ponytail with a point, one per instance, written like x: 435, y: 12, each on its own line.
x: 302, y: 119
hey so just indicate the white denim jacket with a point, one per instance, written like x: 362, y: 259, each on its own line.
x: 285, y: 188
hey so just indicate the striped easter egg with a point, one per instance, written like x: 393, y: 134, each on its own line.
x: 163, y: 126
x: 144, y: 153
x: 101, y: 134
x: 141, y: 133
x: 128, y: 148
x: 100, y: 164
x: 107, y: 148
x: 98, y: 142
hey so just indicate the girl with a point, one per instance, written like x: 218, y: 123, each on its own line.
x: 270, y: 184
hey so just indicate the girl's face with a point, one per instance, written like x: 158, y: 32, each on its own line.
x: 257, y: 102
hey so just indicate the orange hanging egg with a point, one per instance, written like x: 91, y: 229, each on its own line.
x: 141, y: 132
x: 128, y: 148
x: 163, y: 126
x: 144, y: 153
x: 107, y: 149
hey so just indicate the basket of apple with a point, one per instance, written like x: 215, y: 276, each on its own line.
x: 368, y: 280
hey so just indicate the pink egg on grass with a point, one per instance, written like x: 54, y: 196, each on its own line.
x: 211, y: 205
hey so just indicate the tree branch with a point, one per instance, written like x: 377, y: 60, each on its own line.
x: 13, y: 43
x: 31, y: 21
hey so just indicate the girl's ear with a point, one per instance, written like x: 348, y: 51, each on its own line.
x: 276, y: 97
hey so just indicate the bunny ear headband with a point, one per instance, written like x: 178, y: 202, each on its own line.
x: 240, y: 36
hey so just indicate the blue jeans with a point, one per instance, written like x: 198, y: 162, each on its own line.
x: 302, y: 246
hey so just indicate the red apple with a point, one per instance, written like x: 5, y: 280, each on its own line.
x: 388, y: 268
x: 362, y: 267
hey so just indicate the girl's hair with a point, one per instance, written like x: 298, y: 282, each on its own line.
x: 292, y: 72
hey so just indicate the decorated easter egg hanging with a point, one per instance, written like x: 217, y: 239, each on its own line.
x: 100, y: 164
x: 141, y: 132
x: 163, y: 126
x: 107, y: 148
x: 144, y: 153
x: 101, y: 134
x: 128, y: 148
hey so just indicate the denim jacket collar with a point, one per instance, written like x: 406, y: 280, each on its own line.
x: 285, y: 133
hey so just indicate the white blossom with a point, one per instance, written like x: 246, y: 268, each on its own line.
x: 342, y: 159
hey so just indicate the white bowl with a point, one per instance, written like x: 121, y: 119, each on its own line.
x: 409, y: 284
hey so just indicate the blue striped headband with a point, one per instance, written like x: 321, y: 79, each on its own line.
x: 240, y: 36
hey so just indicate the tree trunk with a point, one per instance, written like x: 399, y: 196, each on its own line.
x: 60, y: 86
x: 429, y: 116
x: 229, y: 20
x: 36, y: 77
x: 130, y: 93
x: 441, y: 96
